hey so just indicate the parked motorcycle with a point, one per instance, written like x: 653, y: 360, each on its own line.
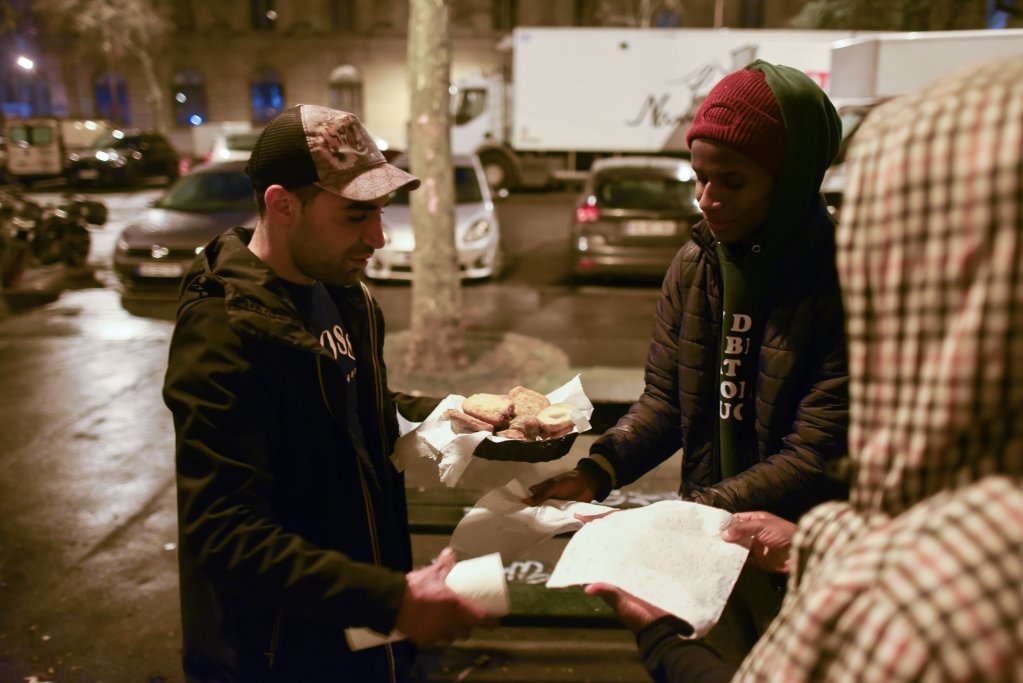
x: 32, y: 233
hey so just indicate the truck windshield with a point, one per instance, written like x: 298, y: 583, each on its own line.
x: 467, y: 104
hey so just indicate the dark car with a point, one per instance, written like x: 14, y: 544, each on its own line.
x: 123, y: 157
x: 853, y: 114
x: 634, y: 214
x: 156, y: 249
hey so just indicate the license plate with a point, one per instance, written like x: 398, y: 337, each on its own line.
x: 88, y: 174
x: 650, y: 228
x: 161, y: 270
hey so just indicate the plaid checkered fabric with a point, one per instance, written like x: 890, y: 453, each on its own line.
x: 920, y: 576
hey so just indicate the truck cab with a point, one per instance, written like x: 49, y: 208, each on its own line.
x: 478, y: 117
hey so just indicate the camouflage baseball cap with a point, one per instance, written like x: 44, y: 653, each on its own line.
x: 312, y: 145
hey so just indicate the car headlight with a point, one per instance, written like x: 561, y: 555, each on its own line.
x: 477, y: 231
x: 121, y: 245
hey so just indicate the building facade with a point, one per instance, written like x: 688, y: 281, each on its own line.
x: 239, y: 62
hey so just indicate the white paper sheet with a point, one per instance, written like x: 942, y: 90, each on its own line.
x: 480, y: 580
x: 452, y: 451
x: 669, y: 553
x: 501, y: 523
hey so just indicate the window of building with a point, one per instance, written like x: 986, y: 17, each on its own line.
x: 111, y: 96
x: 184, y: 15
x: 189, y: 98
x: 753, y: 14
x: 264, y: 16
x: 267, y: 96
x: 504, y: 15
x: 342, y: 15
x: 346, y: 89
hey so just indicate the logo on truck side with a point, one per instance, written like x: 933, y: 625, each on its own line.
x: 654, y: 110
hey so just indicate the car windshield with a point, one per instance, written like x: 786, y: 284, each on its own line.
x: 214, y: 191
x: 467, y: 189
x: 644, y: 191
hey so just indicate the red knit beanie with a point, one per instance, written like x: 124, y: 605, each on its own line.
x: 741, y: 112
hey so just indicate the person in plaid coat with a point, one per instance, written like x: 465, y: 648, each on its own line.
x: 919, y: 576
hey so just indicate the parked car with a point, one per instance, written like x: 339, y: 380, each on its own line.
x: 235, y: 146
x: 156, y: 249
x: 633, y: 215
x: 123, y: 157
x: 477, y: 231
x: 853, y: 114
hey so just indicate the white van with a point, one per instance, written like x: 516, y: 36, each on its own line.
x: 38, y: 147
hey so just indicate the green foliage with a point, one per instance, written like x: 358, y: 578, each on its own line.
x: 891, y: 15
x: 122, y: 26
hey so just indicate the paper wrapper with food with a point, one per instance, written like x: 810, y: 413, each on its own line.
x: 669, y: 553
x: 434, y: 437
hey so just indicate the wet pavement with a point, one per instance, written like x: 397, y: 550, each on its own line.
x: 88, y: 581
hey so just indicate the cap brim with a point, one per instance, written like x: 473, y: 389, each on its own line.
x: 373, y: 183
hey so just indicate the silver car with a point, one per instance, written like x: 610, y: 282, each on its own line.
x: 477, y: 232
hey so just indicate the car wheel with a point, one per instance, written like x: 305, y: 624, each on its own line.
x: 499, y: 171
x: 76, y: 247
x: 499, y: 264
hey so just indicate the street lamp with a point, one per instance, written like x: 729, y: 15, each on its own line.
x: 26, y: 63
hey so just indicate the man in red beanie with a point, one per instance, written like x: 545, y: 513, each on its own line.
x: 747, y: 370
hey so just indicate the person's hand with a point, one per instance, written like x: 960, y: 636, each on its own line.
x: 634, y: 613
x: 572, y: 485
x: 586, y: 519
x: 768, y: 537
x: 433, y: 614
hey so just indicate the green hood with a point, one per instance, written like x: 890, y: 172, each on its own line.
x: 813, y: 131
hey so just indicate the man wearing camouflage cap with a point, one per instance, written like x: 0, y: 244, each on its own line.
x: 292, y: 521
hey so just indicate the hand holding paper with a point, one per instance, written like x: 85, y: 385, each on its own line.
x: 636, y: 614
x: 444, y: 602
x: 669, y: 554
x: 501, y: 523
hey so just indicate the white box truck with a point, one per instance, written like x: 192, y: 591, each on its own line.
x: 868, y: 70
x: 575, y: 94
x: 889, y: 64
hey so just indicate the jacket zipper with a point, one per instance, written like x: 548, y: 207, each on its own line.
x: 376, y: 366
x: 379, y: 391
x: 367, y: 501
x: 275, y: 635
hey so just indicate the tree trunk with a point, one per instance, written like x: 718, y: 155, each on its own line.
x: 436, y: 339
x: 155, y: 97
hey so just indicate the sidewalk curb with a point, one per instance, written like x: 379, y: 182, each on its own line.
x: 612, y: 391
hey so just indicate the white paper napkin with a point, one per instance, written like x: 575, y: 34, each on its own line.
x: 501, y: 523
x: 480, y: 580
x: 669, y: 553
x: 452, y: 451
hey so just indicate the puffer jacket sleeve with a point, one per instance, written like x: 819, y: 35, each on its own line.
x: 649, y: 433
x: 222, y: 408
x: 798, y: 476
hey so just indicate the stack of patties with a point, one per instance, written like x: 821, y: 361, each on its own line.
x: 521, y: 414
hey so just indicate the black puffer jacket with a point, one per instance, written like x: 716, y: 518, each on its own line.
x: 288, y: 532
x: 801, y: 389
